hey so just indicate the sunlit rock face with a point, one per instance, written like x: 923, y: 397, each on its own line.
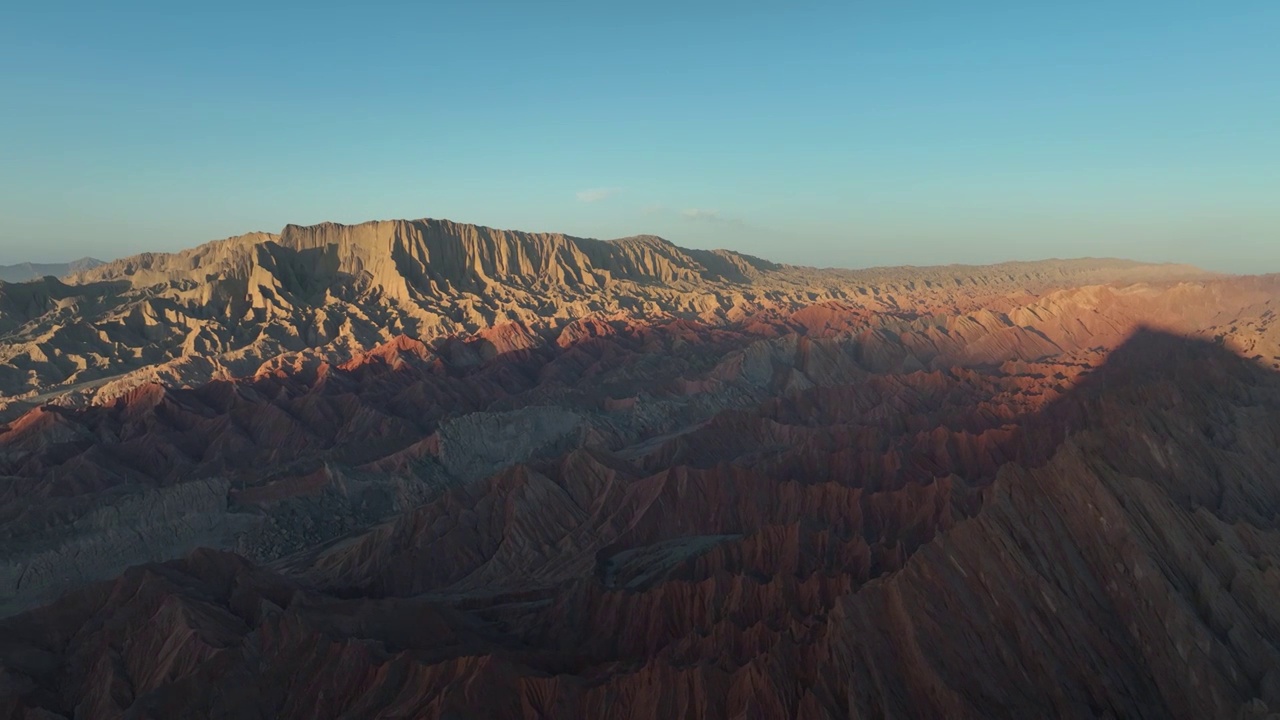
x: 421, y: 469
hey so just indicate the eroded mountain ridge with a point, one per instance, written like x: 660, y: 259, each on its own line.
x: 325, y: 293
x: 1034, y: 489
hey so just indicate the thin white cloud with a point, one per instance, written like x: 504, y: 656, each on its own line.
x: 704, y: 215
x: 597, y: 194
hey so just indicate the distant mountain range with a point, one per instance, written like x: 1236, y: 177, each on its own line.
x: 23, y: 272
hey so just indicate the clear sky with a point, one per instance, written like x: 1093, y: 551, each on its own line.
x: 853, y: 133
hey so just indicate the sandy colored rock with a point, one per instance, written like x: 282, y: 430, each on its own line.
x: 448, y: 471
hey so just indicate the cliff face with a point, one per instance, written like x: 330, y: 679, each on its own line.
x: 432, y: 256
x: 328, y: 292
x: 430, y: 470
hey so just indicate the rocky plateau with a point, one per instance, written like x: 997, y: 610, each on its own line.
x: 418, y: 469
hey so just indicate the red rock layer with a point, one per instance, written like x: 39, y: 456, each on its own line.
x: 1000, y: 541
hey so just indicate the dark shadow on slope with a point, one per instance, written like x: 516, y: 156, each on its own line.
x: 1210, y: 405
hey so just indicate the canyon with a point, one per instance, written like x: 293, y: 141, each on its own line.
x: 426, y: 469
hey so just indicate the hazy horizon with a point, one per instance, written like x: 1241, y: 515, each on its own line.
x: 1046, y: 258
x: 844, y: 136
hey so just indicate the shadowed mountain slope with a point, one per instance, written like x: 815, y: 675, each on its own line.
x: 959, y: 544
x: 422, y: 469
x: 303, y: 453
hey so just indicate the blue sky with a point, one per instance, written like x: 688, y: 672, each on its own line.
x: 853, y: 133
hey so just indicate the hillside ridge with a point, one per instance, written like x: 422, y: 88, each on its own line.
x: 328, y: 292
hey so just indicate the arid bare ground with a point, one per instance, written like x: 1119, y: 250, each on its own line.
x: 448, y: 471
